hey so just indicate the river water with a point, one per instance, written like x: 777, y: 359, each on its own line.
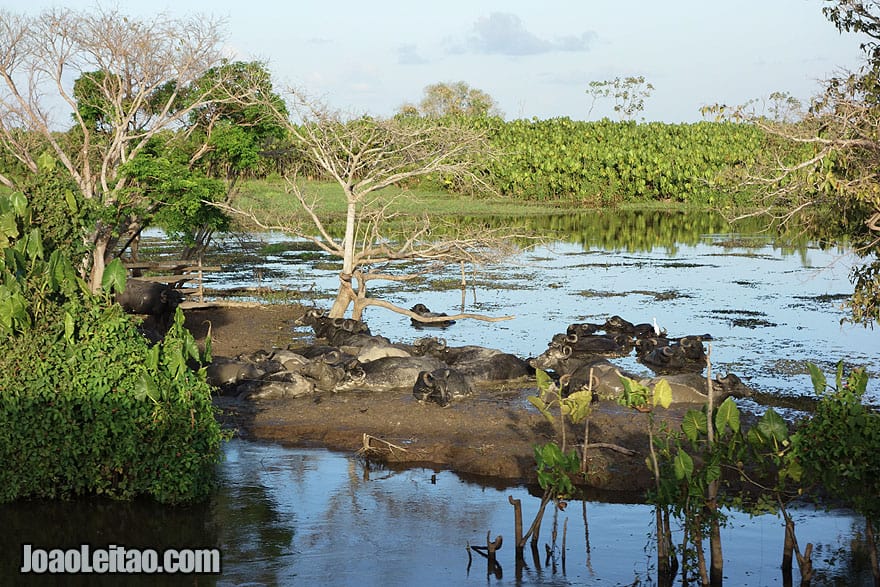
x: 286, y: 516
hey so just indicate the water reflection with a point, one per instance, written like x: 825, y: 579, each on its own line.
x: 311, y: 517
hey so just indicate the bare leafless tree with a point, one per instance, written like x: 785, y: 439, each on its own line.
x: 141, y: 76
x: 365, y: 155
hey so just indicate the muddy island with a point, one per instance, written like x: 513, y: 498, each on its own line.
x: 489, y: 435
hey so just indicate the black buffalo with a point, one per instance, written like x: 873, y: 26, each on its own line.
x: 157, y: 301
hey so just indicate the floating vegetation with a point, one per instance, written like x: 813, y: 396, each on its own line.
x: 789, y: 367
x: 746, y: 255
x: 307, y: 256
x: 824, y: 298
x: 326, y: 265
x: 742, y: 312
x: 751, y: 321
x: 801, y: 403
x: 285, y: 246
x: 680, y: 265
x: 593, y: 293
x: 662, y: 296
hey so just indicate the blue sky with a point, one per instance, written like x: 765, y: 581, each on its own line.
x: 536, y: 59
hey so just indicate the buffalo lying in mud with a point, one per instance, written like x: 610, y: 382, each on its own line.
x: 441, y: 386
x: 478, y: 363
x: 424, y: 311
x: 346, y: 356
x: 578, y: 357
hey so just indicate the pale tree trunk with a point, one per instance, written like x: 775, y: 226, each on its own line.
x: 343, y: 296
x: 96, y: 275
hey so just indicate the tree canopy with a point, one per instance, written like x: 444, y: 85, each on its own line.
x: 453, y: 99
x: 128, y: 83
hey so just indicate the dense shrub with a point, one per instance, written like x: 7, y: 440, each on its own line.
x: 86, y: 405
x: 82, y: 415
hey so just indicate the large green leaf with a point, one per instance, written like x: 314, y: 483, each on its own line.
x: 8, y: 228
x: 19, y: 203
x: 662, y: 394
x: 818, y: 378
x: 541, y: 406
x: 772, y: 427
x: 727, y: 415
x: 69, y: 327
x: 145, y: 387
x: 34, y: 246
x: 694, y: 423
x: 544, y: 380
x: 683, y: 465
x: 114, y: 277
x: 577, y: 405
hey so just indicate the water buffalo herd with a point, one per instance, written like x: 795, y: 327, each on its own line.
x: 346, y: 356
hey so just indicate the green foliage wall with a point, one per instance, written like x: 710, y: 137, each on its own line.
x: 86, y: 405
x: 77, y: 419
x: 605, y: 161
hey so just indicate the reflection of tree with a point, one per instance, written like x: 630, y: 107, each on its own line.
x: 638, y: 230
x: 255, y: 537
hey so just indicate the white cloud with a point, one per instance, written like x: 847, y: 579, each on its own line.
x: 409, y: 55
x: 504, y: 33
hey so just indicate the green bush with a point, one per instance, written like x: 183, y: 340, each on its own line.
x: 86, y: 405
x: 82, y: 415
x: 606, y: 162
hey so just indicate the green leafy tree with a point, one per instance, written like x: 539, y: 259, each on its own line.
x: 225, y: 140
x: 453, y: 99
x: 822, y: 168
x: 126, y: 81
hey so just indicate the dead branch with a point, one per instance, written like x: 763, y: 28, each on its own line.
x: 368, y: 447
x: 614, y: 447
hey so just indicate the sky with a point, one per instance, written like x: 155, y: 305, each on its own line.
x: 536, y: 59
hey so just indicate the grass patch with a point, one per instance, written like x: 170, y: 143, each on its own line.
x: 270, y: 201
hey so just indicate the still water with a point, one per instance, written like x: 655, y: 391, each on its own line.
x: 769, y: 305
x: 311, y: 517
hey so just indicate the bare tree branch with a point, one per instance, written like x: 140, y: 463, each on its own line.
x: 365, y: 155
